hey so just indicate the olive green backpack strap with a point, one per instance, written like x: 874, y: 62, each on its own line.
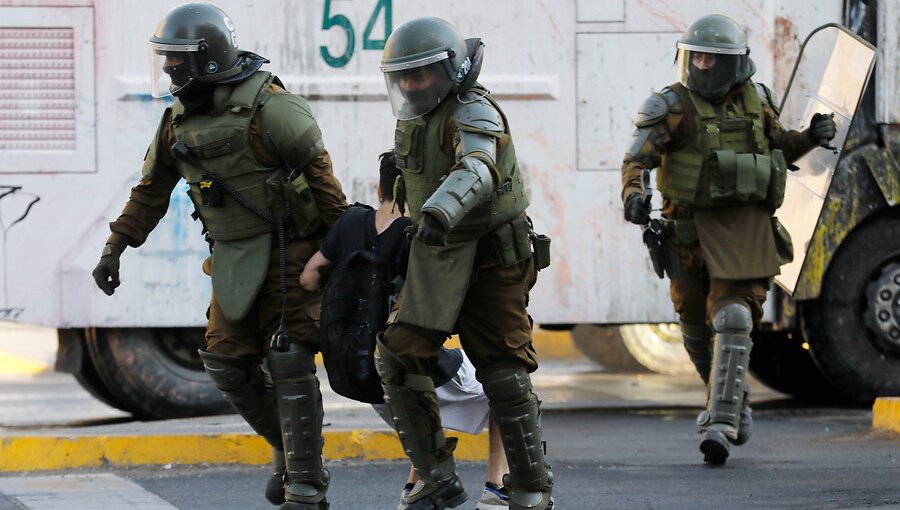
x: 706, y: 117
x: 753, y: 109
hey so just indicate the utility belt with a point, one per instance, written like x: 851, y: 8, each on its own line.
x: 661, y: 234
x: 516, y: 241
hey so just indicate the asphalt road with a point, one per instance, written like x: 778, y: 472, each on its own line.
x: 816, y: 458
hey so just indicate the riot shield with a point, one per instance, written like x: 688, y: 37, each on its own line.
x: 830, y: 77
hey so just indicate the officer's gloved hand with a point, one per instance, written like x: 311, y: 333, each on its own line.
x: 636, y: 211
x: 822, y: 129
x: 106, y: 274
x: 432, y: 231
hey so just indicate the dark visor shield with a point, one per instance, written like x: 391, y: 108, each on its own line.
x: 416, y: 90
x: 830, y: 77
x: 172, y: 67
x: 709, y: 74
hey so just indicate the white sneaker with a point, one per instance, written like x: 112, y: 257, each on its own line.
x: 405, y: 494
x: 493, y: 498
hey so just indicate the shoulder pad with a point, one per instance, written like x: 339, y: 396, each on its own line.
x: 655, y: 108
x: 287, y: 123
x: 673, y: 99
x: 767, y: 96
x: 479, y: 115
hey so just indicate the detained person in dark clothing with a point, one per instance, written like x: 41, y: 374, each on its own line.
x: 463, y: 404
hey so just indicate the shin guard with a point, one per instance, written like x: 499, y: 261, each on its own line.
x: 731, y: 357
x: 411, y: 400
x: 300, y: 413
x: 516, y: 410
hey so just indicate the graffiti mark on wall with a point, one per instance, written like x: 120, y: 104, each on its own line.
x: 15, y: 205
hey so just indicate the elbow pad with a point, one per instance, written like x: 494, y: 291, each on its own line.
x: 461, y: 191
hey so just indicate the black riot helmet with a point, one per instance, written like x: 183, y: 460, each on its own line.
x: 193, y: 43
x: 713, y: 56
x: 424, y: 60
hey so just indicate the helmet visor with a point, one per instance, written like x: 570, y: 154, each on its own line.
x: 709, y: 74
x: 170, y: 71
x: 418, y: 90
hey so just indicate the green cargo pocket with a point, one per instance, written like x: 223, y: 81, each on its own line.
x: 739, y: 177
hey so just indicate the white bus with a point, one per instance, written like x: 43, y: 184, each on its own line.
x: 76, y: 118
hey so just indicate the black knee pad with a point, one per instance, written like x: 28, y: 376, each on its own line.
x: 506, y: 384
x: 228, y: 372
x: 298, y: 361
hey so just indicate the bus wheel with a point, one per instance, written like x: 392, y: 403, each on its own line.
x: 659, y: 347
x: 853, y: 328
x: 781, y: 361
x: 602, y: 343
x: 151, y: 373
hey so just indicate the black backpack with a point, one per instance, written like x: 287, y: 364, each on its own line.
x: 354, y: 310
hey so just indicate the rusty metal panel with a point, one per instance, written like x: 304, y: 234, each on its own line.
x: 854, y: 195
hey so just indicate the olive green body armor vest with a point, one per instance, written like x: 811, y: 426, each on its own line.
x: 425, y: 155
x: 221, y: 145
x: 729, y: 163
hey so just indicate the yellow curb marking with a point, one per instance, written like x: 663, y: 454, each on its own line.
x: 36, y: 453
x: 15, y: 365
x: 548, y: 344
x: 886, y: 414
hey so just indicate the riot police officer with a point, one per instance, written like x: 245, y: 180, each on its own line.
x: 722, y: 157
x: 262, y: 186
x: 471, y: 263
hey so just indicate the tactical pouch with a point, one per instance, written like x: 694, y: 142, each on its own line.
x: 407, y: 137
x: 739, y: 177
x: 775, y: 195
x: 304, y: 211
x: 210, y: 191
x: 512, y: 242
x: 541, y: 245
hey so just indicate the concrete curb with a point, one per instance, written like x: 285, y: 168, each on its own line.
x: 547, y: 344
x: 18, y: 365
x: 886, y: 414
x: 37, y: 453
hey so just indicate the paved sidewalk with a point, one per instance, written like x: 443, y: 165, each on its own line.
x: 48, y: 422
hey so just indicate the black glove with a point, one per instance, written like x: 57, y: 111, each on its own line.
x: 636, y: 211
x: 822, y: 129
x: 432, y: 231
x: 106, y: 274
